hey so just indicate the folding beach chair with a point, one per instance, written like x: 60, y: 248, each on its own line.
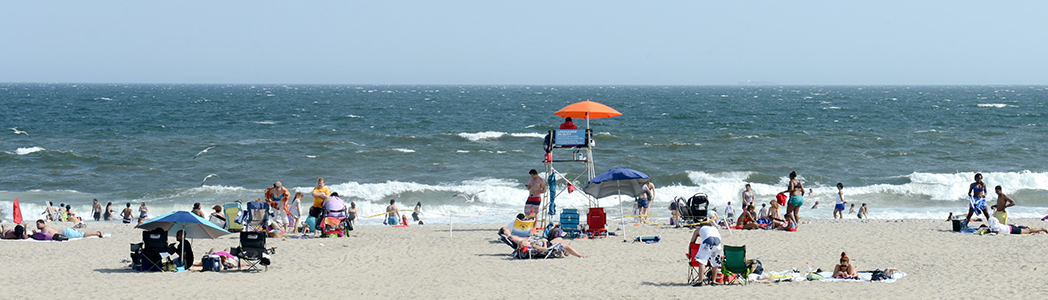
x: 735, y: 264
x: 255, y: 217
x: 693, y: 266
x: 569, y: 222
x: 151, y: 252
x: 232, y: 211
x: 253, y: 250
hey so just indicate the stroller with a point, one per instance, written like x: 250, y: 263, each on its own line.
x: 335, y: 222
x: 695, y: 209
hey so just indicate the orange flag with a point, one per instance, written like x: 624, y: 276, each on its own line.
x: 17, y: 213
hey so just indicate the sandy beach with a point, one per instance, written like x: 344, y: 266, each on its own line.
x: 425, y: 262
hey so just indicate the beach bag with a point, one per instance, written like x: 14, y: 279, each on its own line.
x: 59, y: 237
x: 755, y: 266
x: 878, y: 275
x: 211, y: 263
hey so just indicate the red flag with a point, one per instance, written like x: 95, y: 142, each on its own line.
x: 17, y: 213
x: 571, y: 188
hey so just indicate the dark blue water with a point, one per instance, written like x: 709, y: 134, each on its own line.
x: 908, y: 151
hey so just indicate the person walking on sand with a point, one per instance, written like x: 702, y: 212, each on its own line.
x: 796, y: 192
x: 96, y: 210
x: 1003, y: 202
x: 838, y: 208
x: 392, y: 215
x: 977, y: 198
x: 536, y: 187
x: 747, y: 196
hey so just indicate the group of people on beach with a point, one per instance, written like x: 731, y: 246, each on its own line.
x: 998, y: 222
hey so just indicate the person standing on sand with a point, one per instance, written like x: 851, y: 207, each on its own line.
x: 392, y: 214
x: 294, y: 211
x: 319, y: 194
x: 644, y: 201
x: 96, y: 210
x: 838, y: 208
x: 709, y: 238
x: 976, y: 199
x: 729, y: 211
x: 796, y: 190
x: 747, y: 196
x: 1003, y: 202
x: 277, y: 193
x: 536, y: 187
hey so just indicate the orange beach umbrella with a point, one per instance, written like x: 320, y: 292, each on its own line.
x: 587, y: 110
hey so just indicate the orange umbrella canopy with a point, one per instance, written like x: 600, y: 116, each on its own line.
x: 587, y: 110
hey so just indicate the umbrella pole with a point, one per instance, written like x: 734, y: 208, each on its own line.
x: 622, y: 220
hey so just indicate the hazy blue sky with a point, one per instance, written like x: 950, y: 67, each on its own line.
x: 495, y: 42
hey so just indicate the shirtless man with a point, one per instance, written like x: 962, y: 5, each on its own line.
x: 536, y: 187
x: 96, y: 210
x: 126, y: 214
x: 1003, y: 201
x: 392, y: 214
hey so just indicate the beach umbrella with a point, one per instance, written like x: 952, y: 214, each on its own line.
x: 587, y: 110
x: 619, y: 181
x: 194, y: 226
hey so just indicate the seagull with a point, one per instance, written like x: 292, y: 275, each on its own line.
x: 203, y: 151
x: 469, y: 197
x: 17, y: 132
x: 208, y: 176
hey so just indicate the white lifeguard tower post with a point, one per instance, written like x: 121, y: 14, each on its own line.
x: 572, y: 149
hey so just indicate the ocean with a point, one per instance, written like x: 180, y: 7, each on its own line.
x: 906, y: 151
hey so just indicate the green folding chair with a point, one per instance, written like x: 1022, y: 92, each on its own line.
x: 735, y: 264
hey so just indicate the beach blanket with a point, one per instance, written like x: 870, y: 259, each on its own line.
x: 49, y: 241
x: 791, y: 275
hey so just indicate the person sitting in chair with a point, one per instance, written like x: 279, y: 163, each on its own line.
x: 184, y: 250
x: 711, y: 249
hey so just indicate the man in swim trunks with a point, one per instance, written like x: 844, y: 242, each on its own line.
x: 838, y: 208
x: 96, y: 210
x: 976, y: 198
x: 126, y: 214
x: 392, y: 214
x: 1003, y: 201
x: 710, y: 249
x: 796, y: 190
x: 998, y: 227
x: 277, y: 193
x: 68, y: 232
x: 536, y: 187
x: 319, y: 194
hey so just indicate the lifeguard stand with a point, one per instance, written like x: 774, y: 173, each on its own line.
x: 568, y: 147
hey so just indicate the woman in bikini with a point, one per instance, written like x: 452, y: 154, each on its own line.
x: 796, y: 190
x: 977, y: 198
x: 845, y: 270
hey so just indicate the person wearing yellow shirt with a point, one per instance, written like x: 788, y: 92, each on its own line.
x: 320, y: 193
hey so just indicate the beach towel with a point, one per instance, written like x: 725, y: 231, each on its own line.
x: 791, y: 275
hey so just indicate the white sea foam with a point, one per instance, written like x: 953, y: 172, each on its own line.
x: 462, y: 151
x: 473, y: 137
x: 264, y: 122
x: 104, y: 98
x: 992, y: 105
x: 24, y: 151
x: 353, y: 116
x: 403, y: 150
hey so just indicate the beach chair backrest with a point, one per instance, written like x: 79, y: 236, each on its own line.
x: 735, y: 258
x: 259, y: 213
x: 232, y: 211
x: 253, y: 240
x: 154, y: 240
x: 692, y: 250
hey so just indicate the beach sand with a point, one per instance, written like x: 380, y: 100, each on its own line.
x: 425, y: 262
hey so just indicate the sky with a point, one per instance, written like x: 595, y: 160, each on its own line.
x: 526, y: 42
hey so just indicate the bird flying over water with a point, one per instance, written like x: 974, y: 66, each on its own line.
x: 203, y: 151
x: 17, y: 132
x: 469, y: 197
x: 208, y: 176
